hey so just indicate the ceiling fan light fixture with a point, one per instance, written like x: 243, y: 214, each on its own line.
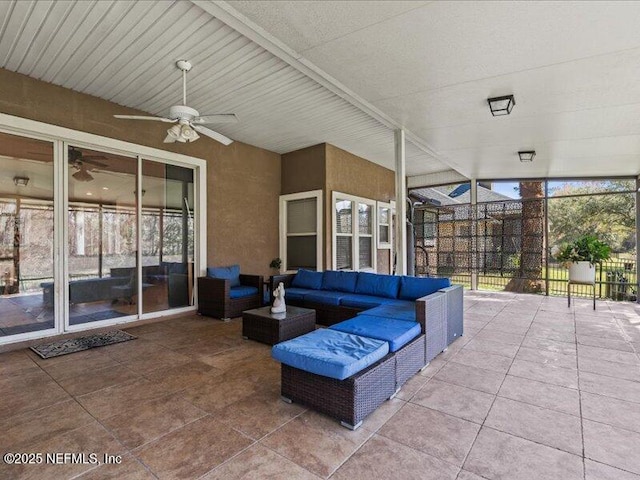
x: 527, y: 155
x: 501, y: 105
x: 82, y: 175
x: 189, y: 134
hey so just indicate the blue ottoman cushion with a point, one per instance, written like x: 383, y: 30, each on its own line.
x: 399, y: 309
x: 330, y: 353
x: 397, y: 332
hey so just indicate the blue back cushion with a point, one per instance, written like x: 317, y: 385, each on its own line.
x: 378, y: 285
x: 307, y: 279
x: 339, y: 281
x: 231, y: 273
x: 412, y: 288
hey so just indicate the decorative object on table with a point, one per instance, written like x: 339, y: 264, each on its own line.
x: 276, y: 263
x: 581, y: 257
x: 72, y: 345
x: 278, y: 304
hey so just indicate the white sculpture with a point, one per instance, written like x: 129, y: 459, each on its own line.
x: 278, y: 304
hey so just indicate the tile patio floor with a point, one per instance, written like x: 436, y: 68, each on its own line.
x: 534, y: 390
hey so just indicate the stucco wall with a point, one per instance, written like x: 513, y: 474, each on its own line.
x: 243, y: 181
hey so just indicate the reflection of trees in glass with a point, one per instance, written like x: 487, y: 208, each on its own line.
x: 610, y: 217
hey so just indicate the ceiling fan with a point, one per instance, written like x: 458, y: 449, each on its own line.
x: 187, y: 120
x: 80, y: 162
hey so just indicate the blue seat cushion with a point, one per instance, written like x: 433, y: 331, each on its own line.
x: 330, y: 353
x: 324, y: 297
x: 307, y: 279
x: 378, y: 285
x: 397, y: 332
x: 242, y: 291
x: 362, y: 301
x: 231, y: 273
x: 339, y: 281
x: 297, y: 294
x: 412, y: 288
x: 398, y: 309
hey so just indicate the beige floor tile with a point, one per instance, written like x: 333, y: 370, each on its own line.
x: 498, y: 336
x: 609, y: 369
x: 383, y: 413
x: 611, y: 411
x: 67, y: 370
x: 259, y: 462
x: 443, y: 436
x: 537, y: 424
x: 466, y: 475
x: 548, y: 357
x: 488, y: 346
x: 563, y: 377
x: 412, y: 386
x: 599, y: 471
x: 129, y: 469
x: 609, y: 355
x: 27, y: 392
x: 138, y: 424
x: 98, y: 379
x: 454, y: 400
x: 541, y: 332
x: 611, y: 445
x: 471, y: 377
x: 193, y: 450
x: 551, y: 345
x: 500, y: 456
x: 605, y: 343
x: 17, y: 363
x: 486, y: 361
x: 546, y: 395
x: 316, y: 442
x: 219, y: 392
x: 176, y: 378
x: 383, y: 458
x: 610, y: 386
x: 163, y: 358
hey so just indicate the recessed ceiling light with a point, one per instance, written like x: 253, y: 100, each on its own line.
x: 501, y: 105
x: 105, y: 188
x: 89, y: 194
x: 527, y: 155
x: 20, y: 181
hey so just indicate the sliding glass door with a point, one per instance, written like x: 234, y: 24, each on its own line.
x: 27, y: 280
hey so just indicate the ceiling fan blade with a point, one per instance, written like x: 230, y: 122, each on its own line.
x: 142, y: 117
x: 217, y: 118
x: 89, y: 161
x: 212, y: 134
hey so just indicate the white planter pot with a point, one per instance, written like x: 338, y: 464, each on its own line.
x: 582, y: 272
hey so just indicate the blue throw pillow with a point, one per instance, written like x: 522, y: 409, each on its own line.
x: 231, y: 273
x: 307, y: 279
x: 412, y: 288
x: 339, y: 281
x: 378, y: 285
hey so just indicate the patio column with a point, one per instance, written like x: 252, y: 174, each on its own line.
x: 474, y: 230
x: 401, y: 205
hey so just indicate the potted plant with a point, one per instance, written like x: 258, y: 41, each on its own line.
x: 276, y: 263
x: 581, y: 257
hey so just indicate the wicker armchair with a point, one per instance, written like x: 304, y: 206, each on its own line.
x: 214, y: 297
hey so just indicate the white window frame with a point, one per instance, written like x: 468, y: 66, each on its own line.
x: 385, y: 245
x: 61, y: 137
x: 355, y: 232
x: 317, y: 194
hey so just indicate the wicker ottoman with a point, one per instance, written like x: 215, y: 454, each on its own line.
x: 263, y: 326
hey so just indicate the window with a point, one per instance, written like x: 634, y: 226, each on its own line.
x: 301, y: 231
x: 385, y: 235
x: 354, y: 241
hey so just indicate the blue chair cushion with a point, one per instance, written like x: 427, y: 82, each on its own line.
x: 231, y: 273
x: 412, y: 288
x: 398, y: 309
x: 378, y: 285
x: 307, y: 279
x: 397, y: 332
x: 324, y: 298
x: 296, y: 294
x: 339, y: 281
x: 330, y: 353
x: 362, y: 301
x: 242, y: 291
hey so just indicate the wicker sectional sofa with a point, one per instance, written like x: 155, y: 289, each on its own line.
x: 325, y: 370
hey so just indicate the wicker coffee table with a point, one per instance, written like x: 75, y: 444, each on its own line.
x: 266, y: 327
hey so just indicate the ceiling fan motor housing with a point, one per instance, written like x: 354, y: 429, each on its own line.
x: 181, y: 112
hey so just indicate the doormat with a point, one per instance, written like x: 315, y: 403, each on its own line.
x: 73, y: 345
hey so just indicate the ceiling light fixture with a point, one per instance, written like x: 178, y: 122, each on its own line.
x: 501, y: 105
x: 82, y: 175
x: 527, y: 155
x: 181, y: 132
x: 21, y: 181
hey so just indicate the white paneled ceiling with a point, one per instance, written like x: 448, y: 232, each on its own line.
x: 351, y: 71
x: 573, y: 67
x: 124, y: 51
